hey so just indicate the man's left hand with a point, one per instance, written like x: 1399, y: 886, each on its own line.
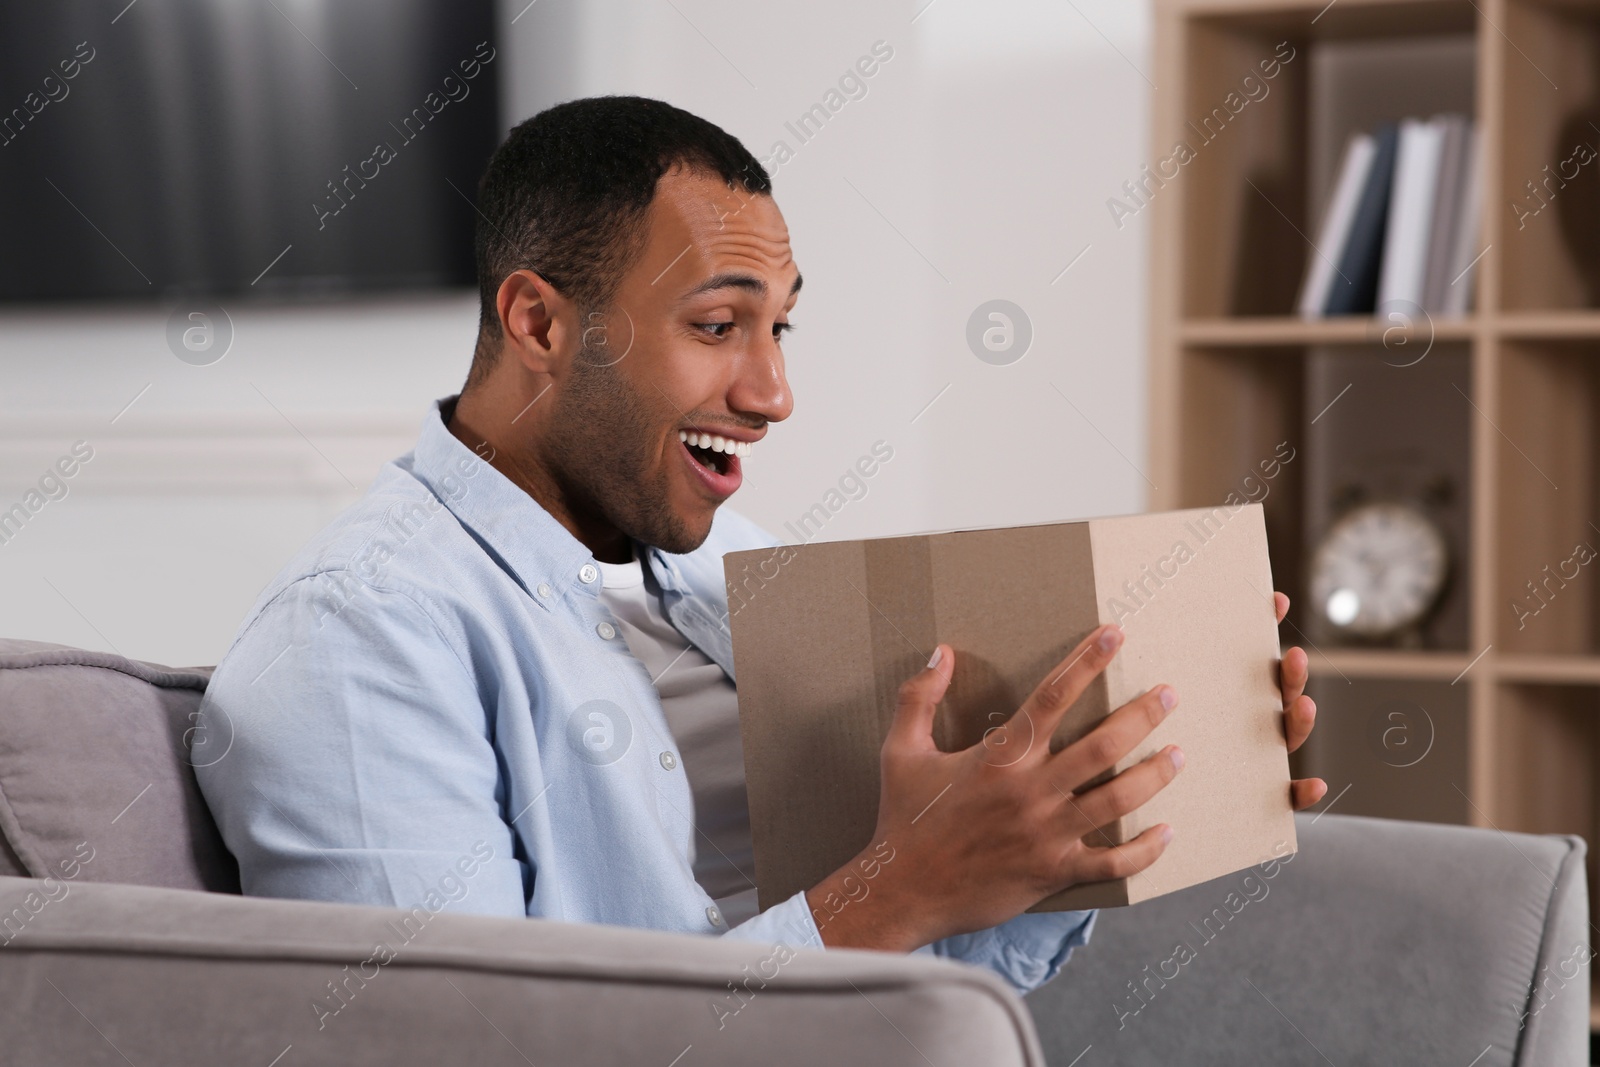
x: 1299, y: 713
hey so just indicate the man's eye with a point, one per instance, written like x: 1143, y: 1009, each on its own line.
x: 720, y: 329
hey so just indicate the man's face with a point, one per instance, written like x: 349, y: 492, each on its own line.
x: 688, y: 352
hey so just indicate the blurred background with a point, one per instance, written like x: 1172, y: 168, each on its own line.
x: 215, y: 281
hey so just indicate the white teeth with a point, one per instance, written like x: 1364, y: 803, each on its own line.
x: 715, y: 443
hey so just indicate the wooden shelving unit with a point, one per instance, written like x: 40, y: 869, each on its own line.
x: 1513, y: 712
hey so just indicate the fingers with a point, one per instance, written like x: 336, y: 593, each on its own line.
x: 1294, y: 670
x: 1298, y: 720
x: 1091, y: 864
x: 1280, y: 604
x: 918, y: 702
x: 1115, y: 736
x: 1067, y: 680
x: 1128, y: 790
x: 1304, y: 792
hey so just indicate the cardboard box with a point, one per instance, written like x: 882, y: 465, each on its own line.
x: 823, y: 635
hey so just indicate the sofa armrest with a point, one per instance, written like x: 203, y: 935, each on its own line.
x: 1380, y: 942
x: 111, y: 974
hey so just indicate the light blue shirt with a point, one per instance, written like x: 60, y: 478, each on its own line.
x: 431, y: 706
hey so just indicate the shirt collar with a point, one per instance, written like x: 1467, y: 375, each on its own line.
x: 521, y: 535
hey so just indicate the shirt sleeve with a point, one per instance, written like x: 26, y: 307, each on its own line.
x: 347, y: 757
x: 1027, y: 951
x: 789, y: 922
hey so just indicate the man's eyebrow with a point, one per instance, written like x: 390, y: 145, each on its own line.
x: 738, y: 280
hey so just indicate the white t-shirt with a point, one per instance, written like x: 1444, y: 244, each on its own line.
x: 702, y: 710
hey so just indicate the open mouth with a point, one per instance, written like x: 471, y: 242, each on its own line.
x: 719, y: 455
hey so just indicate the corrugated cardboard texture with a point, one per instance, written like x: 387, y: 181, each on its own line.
x: 824, y: 634
x: 1192, y: 591
x: 810, y: 714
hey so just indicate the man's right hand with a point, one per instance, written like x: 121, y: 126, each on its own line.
x: 967, y: 840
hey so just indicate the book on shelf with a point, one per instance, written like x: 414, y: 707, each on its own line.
x: 1464, y: 255
x: 1443, y: 228
x: 1354, y: 287
x: 1400, y: 228
x: 1411, y: 210
x: 1353, y: 171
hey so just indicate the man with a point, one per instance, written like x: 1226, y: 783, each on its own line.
x: 502, y: 682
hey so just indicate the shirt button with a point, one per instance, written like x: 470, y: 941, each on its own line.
x: 668, y: 760
x: 714, y: 915
x: 587, y: 574
x: 544, y: 590
x: 606, y: 630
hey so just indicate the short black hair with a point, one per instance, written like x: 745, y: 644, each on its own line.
x: 566, y: 194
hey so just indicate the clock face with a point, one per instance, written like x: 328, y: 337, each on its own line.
x: 1378, y: 570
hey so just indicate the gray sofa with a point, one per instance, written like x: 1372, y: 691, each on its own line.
x: 123, y: 941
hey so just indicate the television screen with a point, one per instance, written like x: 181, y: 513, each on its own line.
x: 272, y: 148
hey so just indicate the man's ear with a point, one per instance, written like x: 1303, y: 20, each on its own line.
x: 538, y: 324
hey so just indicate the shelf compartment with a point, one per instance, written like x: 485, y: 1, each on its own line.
x: 1545, y: 220
x: 1547, y: 578
x: 1240, y: 173
x: 1400, y: 746
x: 1393, y: 426
x: 1255, y: 187
x: 1241, y: 411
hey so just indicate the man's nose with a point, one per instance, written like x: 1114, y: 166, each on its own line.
x: 762, y: 388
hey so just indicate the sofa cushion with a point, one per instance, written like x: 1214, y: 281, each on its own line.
x: 95, y: 777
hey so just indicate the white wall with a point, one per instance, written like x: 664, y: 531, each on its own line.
x: 976, y: 167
